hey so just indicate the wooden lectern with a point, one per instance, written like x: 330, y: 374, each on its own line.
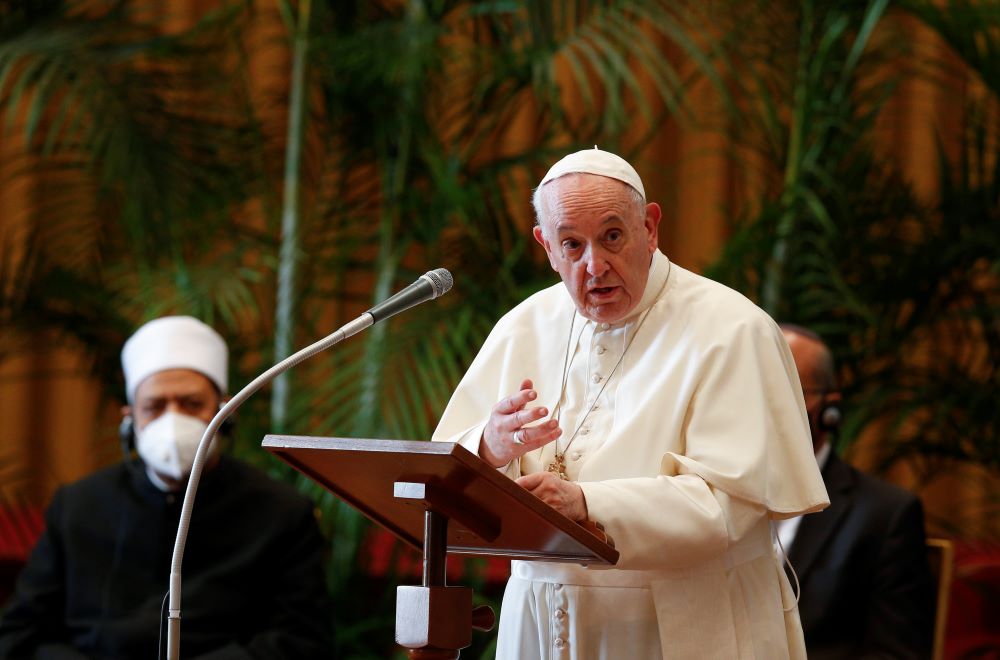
x: 441, y: 498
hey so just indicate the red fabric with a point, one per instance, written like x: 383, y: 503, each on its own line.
x: 385, y: 555
x: 974, y: 609
x: 20, y: 527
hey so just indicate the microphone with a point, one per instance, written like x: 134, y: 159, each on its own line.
x: 430, y: 285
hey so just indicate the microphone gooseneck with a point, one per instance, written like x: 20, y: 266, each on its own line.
x: 427, y: 287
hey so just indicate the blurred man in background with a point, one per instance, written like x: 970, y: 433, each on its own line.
x: 253, y: 584
x: 866, y: 588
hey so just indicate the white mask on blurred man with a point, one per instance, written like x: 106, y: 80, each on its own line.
x: 168, y: 444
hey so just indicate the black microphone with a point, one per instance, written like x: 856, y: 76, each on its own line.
x: 428, y: 286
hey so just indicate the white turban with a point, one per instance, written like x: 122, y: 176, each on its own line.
x: 175, y: 342
x: 595, y: 161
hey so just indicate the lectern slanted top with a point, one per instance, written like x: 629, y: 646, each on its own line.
x: 489, y: 514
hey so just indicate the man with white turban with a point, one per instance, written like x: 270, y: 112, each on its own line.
x: 95, y: 583
x: 660, y: 404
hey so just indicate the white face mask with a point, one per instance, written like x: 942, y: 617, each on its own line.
x: 168, y: 444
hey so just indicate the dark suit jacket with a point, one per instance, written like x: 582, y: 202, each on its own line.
x: 863, y: 569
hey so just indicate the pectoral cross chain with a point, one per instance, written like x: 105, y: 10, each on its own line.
x: 558, y: 466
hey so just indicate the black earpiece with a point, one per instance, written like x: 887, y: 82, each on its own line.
x: 126, y: 436
x: 830, y: 418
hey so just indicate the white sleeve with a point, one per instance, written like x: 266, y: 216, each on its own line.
x: 668, y: 522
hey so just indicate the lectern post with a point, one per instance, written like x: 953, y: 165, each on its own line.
x: 435, y: 548
x: 435, y: 621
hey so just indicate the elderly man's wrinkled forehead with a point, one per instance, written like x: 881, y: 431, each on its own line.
x: 549, y: 198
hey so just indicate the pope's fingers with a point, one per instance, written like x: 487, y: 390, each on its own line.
x: 530, y: 481
x: 515, y: 402
x: 566, y: 497
x: 536, y: 436
x: 526, y: 416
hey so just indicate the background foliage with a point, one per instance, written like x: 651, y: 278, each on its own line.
x: 282, y: 178
x: 904, y: 288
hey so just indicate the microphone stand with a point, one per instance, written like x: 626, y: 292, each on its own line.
x: 174, y: 603
x: 428, y: 286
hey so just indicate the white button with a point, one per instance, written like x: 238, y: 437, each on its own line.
x: 600, y: 349
x: 596, y: 378
x: 560, y: 642
x: 557, y: 586
x: 605, y: 326
x: 585, y: 431
x: 597, y: 406
x: 560, y: 613
x: 575, y: 456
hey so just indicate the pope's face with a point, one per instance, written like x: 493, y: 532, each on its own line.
x: 600, y: 242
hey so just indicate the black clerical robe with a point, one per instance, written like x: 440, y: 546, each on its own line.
x: 252, y: 572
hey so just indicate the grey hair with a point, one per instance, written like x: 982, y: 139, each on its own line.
x: 543, y: 211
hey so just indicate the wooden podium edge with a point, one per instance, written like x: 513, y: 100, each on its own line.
x: 604, y: 554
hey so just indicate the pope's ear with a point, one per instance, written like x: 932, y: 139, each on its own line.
x: 652, y: 222
x: 536, y: 231
x: 540, y: 237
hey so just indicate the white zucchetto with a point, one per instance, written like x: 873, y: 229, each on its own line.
x: 175, y: 342
x: 595, y: 161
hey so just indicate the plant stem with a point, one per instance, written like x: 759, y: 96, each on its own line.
x: 288, y: 257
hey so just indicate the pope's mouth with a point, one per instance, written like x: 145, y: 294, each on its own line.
x: 602, y: 291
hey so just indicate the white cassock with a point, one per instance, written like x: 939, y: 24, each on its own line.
x: 698, y: 439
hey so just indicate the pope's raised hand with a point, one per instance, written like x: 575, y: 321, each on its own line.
x: 506, y: 435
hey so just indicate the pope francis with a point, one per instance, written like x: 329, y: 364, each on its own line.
x: 658, y: 403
